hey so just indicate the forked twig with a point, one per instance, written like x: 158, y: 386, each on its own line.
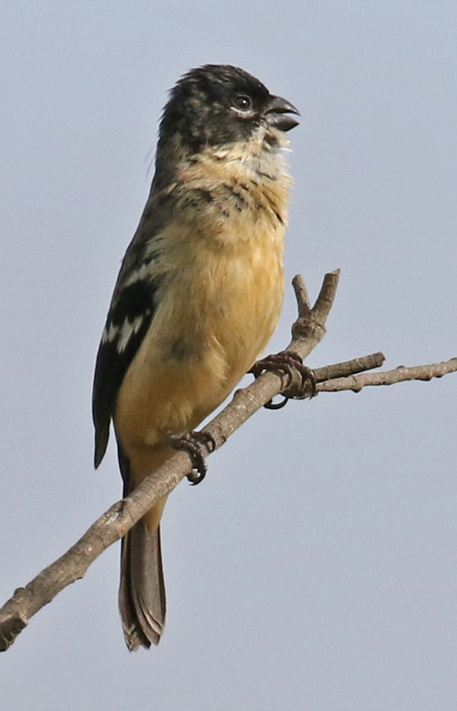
x: 307, y: 331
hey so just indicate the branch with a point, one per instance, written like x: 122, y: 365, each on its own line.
x: 307, y: 332
x: 389, y: 377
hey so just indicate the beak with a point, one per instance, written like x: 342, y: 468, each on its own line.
x: 275, y: 113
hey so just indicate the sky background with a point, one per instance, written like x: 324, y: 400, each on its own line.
x: 316, y: 567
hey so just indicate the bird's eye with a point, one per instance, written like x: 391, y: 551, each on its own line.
x: 242, y: 102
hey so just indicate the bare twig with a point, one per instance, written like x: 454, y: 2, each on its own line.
x: 348, y: 367
x: 307, y: 331
x: 389, y: 377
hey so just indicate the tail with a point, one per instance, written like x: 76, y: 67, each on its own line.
x: 142, y: 588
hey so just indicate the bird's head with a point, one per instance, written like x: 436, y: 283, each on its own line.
x: 218, y: 104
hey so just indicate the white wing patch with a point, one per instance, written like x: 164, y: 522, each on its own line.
x: 142, y: 274
x: 122, y: 334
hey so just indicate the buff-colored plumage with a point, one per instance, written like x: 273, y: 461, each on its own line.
x: 223, y: 299
x: 197, y: 299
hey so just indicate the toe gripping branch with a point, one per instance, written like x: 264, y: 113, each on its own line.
x: 301, y: 380
x: 192, y: 443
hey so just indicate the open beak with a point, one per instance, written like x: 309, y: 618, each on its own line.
x: 276, y: 113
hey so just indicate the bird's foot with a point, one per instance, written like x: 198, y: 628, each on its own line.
x: 192, y: 443
x: 302, y: 382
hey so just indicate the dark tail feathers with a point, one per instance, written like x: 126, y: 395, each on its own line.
x: 142, y: 589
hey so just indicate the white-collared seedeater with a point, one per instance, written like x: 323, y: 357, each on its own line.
x: 197, y: 298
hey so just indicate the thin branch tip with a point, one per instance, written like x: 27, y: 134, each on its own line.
x: 301, y: 295
x: 327, y: 294
x: 307, y: 331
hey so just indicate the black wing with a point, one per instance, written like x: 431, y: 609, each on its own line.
x: 128, y: 321
x: 130, y: 315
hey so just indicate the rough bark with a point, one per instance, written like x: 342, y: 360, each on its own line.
x: 307, y: 331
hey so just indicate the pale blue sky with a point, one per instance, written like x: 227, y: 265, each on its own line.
x: 316, y: 567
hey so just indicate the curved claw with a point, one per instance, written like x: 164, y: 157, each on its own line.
x: 270, y: 405
x: 191, y: 443
x: 290, y: 364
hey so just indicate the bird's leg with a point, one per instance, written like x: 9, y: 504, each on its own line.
x: 192, y: 442
x: 302, y: 383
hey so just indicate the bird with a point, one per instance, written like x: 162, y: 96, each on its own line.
x: 197, y: 297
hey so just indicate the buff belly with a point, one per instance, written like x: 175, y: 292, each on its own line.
x: 213, y: 321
